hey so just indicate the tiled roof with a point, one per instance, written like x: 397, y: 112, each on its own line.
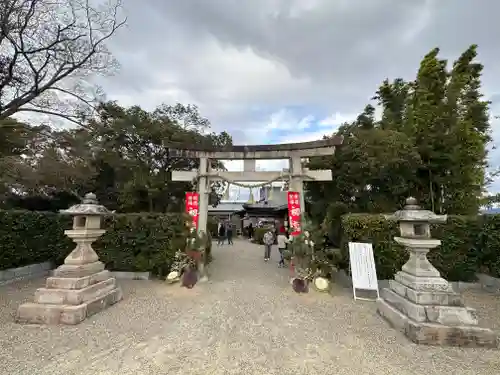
x: 226, y: 206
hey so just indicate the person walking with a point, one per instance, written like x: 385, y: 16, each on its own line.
x: 268, y: 243
x: 282, y: 242
x: 222, y: 233
x: 229, y: 234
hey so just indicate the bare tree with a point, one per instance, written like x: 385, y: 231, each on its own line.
x: 49, y: 49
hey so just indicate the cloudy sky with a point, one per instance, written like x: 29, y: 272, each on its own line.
x: 273, y: 71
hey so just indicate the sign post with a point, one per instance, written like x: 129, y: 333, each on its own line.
x: 192, y: 206
x: 362, y: 265
x: 294, y: 213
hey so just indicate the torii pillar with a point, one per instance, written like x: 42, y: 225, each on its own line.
x: 203, y: 191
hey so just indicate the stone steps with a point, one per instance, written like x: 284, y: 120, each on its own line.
x: 74, y: 296
x: 437, y: 314
x: 54, y: 282
x: 36, y: 313
x: 437, y: 334
x: 428, y: 297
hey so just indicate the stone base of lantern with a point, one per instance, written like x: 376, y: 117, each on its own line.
x: 73, y: 293
x: 432, y: 314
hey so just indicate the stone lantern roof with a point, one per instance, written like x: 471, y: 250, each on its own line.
x: 89, y: 207
x: 412, y: 212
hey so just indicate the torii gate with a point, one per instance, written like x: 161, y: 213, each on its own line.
x: 297, y: 174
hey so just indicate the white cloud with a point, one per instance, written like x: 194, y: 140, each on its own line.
x: 284, y: 119
x: 249, y: 64
x: 337, y: 119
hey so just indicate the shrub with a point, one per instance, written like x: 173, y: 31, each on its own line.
x: 141, y: 242
x: 258, y: 235
x: 28, y: 237
x: 457, y: 256
x: 388, y: 255
x: 469, y: 244
x: 332, y: 222
x: 132, y: 242
x: 488, y: 245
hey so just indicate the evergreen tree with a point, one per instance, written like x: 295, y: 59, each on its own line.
x: 425, y: 123
x: 366, y: 120
x: 467, y: 135
x: 392, y: 97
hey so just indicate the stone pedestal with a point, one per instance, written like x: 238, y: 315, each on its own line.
x: 81, y: 286
x: 422, y: 305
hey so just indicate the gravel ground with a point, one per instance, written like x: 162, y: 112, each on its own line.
x: 245, y: 320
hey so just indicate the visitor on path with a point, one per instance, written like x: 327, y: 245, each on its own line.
x: 282, y: 242
x: 222, y: 234
x: 229, y: 234
x: 268, y: 243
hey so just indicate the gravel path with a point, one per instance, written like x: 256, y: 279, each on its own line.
x: 245, y: 320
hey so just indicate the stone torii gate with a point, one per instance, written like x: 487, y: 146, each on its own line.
x: 296, y: 175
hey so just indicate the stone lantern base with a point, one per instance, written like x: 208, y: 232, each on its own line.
x: 432, y: 315
x: 419, y: 302
x: 73, y: 293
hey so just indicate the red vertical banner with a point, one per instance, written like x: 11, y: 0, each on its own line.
x: 294, y: 213
x: 192, y: 206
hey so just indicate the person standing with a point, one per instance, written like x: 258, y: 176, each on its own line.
x: 250, y: 231
x: 222, y: 233
x: 229, y: 234
x: 282, y: 242
x: 268, y: 243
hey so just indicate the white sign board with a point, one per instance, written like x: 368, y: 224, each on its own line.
x: 362, y: 265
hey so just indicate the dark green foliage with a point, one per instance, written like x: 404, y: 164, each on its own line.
x: 458, y: 256
x: 470, y: 244
x: 142, y: 242
x: 134, y: 242
x: 488, y: 245
x: 258, y: 235
x: 52, y: 202
x: 332, y: 223
x: 430, y: 143
x: 32, y: 237
x: 389, y: 256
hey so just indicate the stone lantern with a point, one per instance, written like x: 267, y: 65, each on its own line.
x: 81, y: 286
x: 419, y: 302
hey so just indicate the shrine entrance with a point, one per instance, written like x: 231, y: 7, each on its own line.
x: 294, y: 176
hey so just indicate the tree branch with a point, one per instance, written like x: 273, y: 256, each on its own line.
x: 50, y: 42
x: 52, y: 113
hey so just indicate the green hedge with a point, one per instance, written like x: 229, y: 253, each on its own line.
x: 133, y: 242
x: 488, y: 241
x: 469, y: 245
x: 141, y: 242
x: 28, y: 237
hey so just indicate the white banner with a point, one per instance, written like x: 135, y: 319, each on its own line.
x: 362, y: 264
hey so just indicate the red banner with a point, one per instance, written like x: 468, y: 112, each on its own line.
x: 192, y: 206
x: 294, y: 213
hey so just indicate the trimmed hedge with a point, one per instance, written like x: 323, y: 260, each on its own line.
x: 28, y: 237
x: 141, y: 242
x: 133, y: 242
x: 469, y: 245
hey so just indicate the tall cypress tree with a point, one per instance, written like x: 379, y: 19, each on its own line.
x: 425, y: 123
x: 468, y: 131
x: 392, y: 97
